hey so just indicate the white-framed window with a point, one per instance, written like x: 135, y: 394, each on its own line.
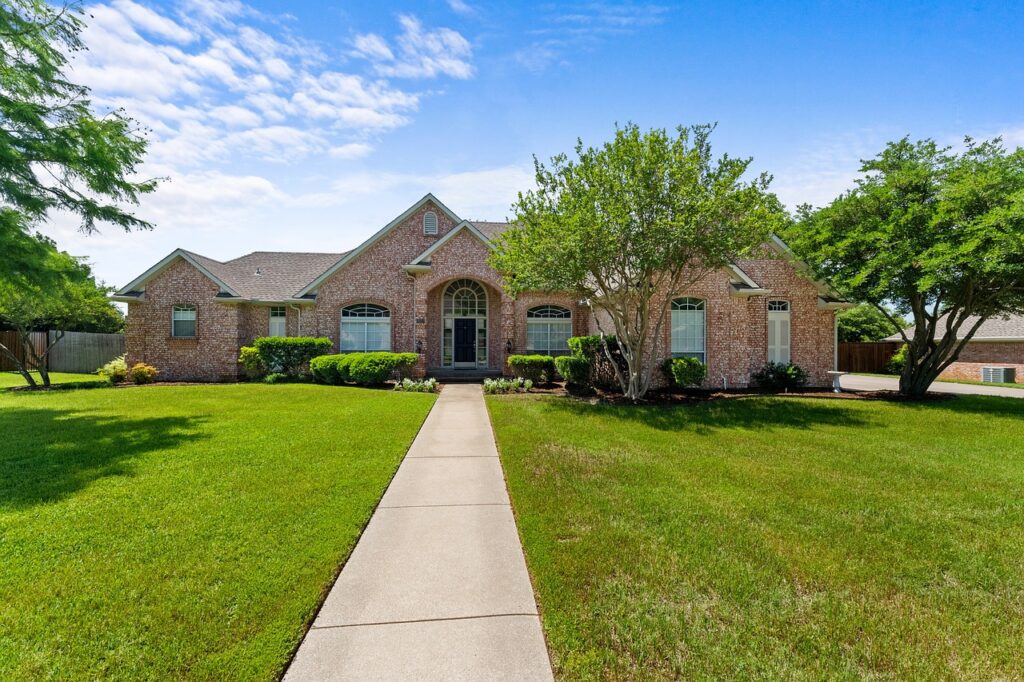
x: 688, y: 328
x: 278, y: 321
x: 183, y: 321
x: 548, y: 328
x: 429, y: 223
x: 778, y: 332
x: 464, y: 300
x: 365, y: 327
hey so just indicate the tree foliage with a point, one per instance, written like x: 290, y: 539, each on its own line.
x: 56, y: 154
x: 70, y: 301
x: 865, y: 322
x: 936, y: 234
x: 630, y: 224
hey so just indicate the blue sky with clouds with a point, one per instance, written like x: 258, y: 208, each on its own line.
x: 308, y: 125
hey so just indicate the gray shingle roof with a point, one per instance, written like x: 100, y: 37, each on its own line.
x: 269, y: 275
x: 1010, y: 327
x: 488, y: 229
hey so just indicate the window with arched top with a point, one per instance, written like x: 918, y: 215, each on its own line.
x: 465, y: 298
x: 464, y: 332
x: 548, y: 328
x: 689, y: 328
x: 429, y: 223
x: 365, y: 327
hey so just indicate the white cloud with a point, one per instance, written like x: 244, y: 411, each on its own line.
x: 460, y: 7
x: 150, y: 21
x: 352, y: 150
x: 421, y: 53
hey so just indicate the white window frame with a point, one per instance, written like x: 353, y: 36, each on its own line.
x: 548, y: 317
x: 278, y: 320
x: 683, y: 338
x: 780, y: 331
x: 356, y: 323
x: 180, y: 313
x: 467, y: 290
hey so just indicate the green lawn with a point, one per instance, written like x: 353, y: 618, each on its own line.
x: 983, y: 383
x: 182, y: 531
x: 9, y: 379
x: 780, y: 538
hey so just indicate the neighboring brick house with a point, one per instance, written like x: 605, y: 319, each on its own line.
x: 994, y: 353
x: 422, y: 284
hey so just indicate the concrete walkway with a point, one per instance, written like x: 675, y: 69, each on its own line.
x: 436, y: 588
x: 859, y: 382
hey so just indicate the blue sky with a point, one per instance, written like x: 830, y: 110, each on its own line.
x: 308, y: 125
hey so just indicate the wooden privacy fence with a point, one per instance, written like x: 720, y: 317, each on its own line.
x: 869, y: 357
x: 76, y: 352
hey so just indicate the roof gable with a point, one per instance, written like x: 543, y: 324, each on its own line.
x: 207, y: 266
x: 356, y: 252
x: 465, y: 225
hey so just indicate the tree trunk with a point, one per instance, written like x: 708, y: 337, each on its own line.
x: 22, y: 370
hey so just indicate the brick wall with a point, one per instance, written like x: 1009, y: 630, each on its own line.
x: 978, y: 354
x: 211, y: 356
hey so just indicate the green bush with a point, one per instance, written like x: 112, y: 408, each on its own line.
x: 275, y: 378
x: 588, y: 347
x: 539, y: 369
x: 250, y: 359
x: 115, y: 371
x: 780, y: 376
x: 685, y: 372
x: 574, y: 369
x: 141, y: 373
x: 602, y: 371
x: 290, y: 354
x: 366, y: 369
x: 516, y: 385
x: 897, y: 362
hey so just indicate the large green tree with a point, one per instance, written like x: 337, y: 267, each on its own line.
x: 56, y: 153
x: 937, y: 235
x: 69, y: 300
x: 631, y: 224
x: 865, y: 322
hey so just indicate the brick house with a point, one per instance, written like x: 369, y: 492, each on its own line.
x: 995, y: 353
x: 422, y: 283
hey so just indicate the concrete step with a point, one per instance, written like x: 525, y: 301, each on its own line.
x: 465, y: 376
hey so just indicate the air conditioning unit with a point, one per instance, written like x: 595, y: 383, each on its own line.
x: 998, y: 375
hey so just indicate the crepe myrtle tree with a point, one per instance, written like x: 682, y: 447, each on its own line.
x: 929, y: 233
x: 629, y: 225
x: 56, y: 152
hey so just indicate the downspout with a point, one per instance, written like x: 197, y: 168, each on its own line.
x: 298, y: 311
x: 835, y: 341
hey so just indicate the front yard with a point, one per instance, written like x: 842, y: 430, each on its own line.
x: 773, y: 537
x: 182, y: 531
x: 13, y: 379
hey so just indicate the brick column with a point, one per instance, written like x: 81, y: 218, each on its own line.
x: 508, y: 330
x: 420, y: 325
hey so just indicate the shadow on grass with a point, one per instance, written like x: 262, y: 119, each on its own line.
x: 708, y: 417
x: 48, y: 454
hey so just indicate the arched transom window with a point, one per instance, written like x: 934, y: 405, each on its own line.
x: 688, y: 328
x: 548, y: 328
x: 465, y: 298
x: 365, y: 327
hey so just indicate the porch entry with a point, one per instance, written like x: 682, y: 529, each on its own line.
x: 464, y: 309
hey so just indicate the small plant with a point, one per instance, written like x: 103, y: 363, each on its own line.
x: 780, y: 376
x: 417, y: 386
x: 574, y: 369
x: 897, y: 362
x: 540, y: 369
x: 141, y: 373
x: 685, y: 372
x: 115, y: 371
x: 514, y: 385
x: 276, y: 378
x: 249, y: 358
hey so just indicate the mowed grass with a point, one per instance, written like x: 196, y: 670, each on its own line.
x: 169, y: 532
x: 773, y: 537
x: 9, y: 379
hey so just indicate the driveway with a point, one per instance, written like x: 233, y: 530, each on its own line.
x: 859, y: 382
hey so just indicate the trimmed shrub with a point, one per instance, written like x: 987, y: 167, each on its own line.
x: 517, y: 385
x: 780, y: 376
x: 602, y: 372
x: 413, y: 386
x: 897, y: 362
x: 588, y: 347
x: 367, y: 369
x: 141, y: 373
x: 539, y: 369
x: 115, y: 371
x: 574, y: 369
x: 275, y: 378
x: 685, y: 372
x: 250, y: 359
x: 290, y: 354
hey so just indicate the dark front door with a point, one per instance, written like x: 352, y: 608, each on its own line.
x: 465, y: 340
